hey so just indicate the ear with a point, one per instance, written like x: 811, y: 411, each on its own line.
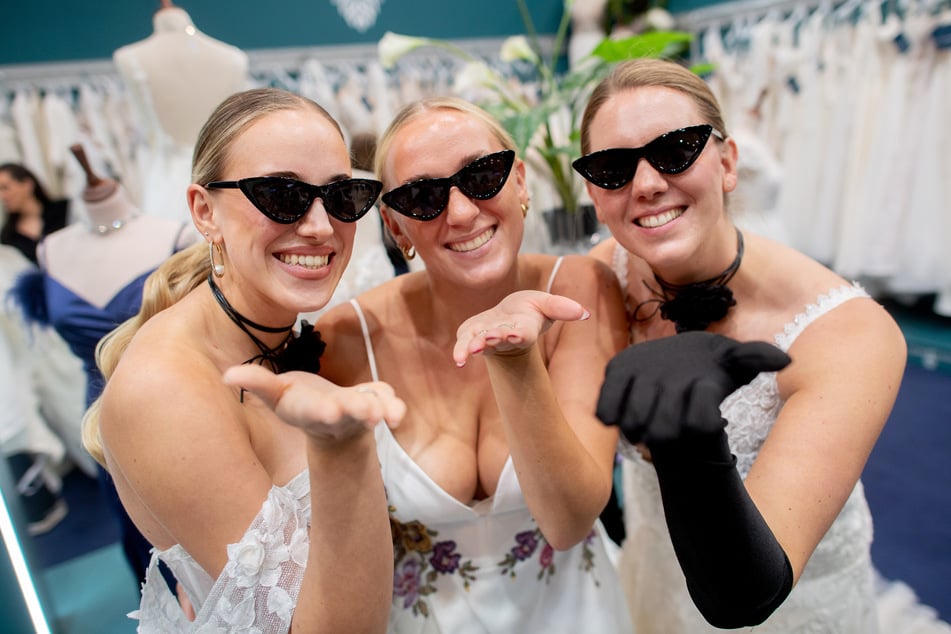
x: 202, y: 210
x: 392, y: 225
x: 520, y: 182
x: 728, y: 159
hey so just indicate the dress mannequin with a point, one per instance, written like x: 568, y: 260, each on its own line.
x: 93, y: 273
x: 175, y: 78
x: 587, y: 31
x: 113, y: 246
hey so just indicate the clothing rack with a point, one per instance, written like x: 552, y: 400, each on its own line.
x: 59, y: 76
x: 696, y: 19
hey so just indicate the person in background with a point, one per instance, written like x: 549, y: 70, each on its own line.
x: 258, y: 486
x: 753, y: 464
x: 30, y: 212
x: 90, y: 280
x: 497, y: 474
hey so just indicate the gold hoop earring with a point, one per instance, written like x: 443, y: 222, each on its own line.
x: 524, y: 210
x: 409, y: 252
x: 217, y: 269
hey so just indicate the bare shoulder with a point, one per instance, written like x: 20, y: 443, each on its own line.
x: 164, y: 381
x: 604, y: 250
x: 849, y: 337
x: 345, y: 358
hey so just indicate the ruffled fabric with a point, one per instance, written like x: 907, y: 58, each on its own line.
x: 29, y: 296
x: 258, y: 588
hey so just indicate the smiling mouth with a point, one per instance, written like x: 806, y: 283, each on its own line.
x: 312, y: 262
x: 475, y: 243
x: 659, y: 220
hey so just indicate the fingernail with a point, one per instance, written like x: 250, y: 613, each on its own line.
x: 585, y: 315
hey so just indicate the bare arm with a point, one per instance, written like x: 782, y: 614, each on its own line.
x: 839, y: 392
x: 189, y: 472
x: 563, y: 455
x: 349, y: 575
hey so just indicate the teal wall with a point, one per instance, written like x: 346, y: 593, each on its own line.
x: 40, y: 31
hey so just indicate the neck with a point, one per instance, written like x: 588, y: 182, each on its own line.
x: 110, y: 213
x: 31, y: 207
x: 696, y: 305
x: 172, y: 20
x: 454, y: 304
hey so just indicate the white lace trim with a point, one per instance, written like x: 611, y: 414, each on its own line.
x: 257, y: 590
x: 824, y: 304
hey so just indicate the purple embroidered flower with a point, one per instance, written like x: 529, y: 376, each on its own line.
x: 444, y: 559
x: 546, y: 556
x: 406, y: 582
x: 527, y: 542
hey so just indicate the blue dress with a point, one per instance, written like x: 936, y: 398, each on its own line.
x: 82, y: 324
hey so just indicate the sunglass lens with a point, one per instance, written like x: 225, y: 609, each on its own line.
x: 350, y: 200
x: 676, y: 151
x: 282, y: 201
x: 484, y: 178
x: 609, y: 169
x: 424, y: 200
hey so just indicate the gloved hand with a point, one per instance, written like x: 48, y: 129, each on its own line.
x: 661, y: 390
x: 667, y: 394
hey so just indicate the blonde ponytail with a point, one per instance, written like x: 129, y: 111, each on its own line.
x: 170, y: 282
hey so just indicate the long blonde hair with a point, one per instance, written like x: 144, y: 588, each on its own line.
x: 185, y: 270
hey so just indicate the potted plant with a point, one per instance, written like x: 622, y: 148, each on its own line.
x: 538, y: 100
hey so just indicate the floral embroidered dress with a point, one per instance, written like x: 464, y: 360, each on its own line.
x: 256, y: 592
x: 485, y: 567
x: 834, y: 595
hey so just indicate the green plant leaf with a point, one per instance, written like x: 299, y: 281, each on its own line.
x: 650, y: 44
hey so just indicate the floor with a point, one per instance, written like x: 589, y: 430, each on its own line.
x: 91, y: 588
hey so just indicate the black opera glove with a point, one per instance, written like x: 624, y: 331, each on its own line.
x: 667, y: 393
x: 657, y: 390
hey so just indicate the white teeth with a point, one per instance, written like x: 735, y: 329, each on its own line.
x: 660, y: 219
x: 306, y: 261
x: 475, y: 243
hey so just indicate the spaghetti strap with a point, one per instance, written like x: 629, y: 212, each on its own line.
x: 554, y: 272
x: 371, y: 358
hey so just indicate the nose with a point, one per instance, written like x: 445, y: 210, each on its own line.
x: 316, y: 222
x: 647, y: 181
x: 460, y: 210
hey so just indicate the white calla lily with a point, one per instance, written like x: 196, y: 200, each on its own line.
x: 659, y: 19
x: 517, y: 48
x: 393, y: 46
x: 474, y: 75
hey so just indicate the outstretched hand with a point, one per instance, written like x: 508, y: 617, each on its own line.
x: 657, y: 390
x: 322, y: 409
x: 514, y: 324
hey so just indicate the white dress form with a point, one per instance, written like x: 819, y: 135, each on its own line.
x: 115, y: 244
x: 187, y: 73
x: 175, y: 78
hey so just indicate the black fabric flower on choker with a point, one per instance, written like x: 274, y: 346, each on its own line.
x: 697, y: 305
x: 302, y: 351
x: 695, y: 308
x: 295, y: 352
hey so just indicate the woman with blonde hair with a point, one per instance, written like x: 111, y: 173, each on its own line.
x: 259, y: 487
x: 756, y: 475
x: 497, y: 474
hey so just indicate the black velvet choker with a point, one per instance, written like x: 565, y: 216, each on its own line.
x: 696, y: 305
x: 301, y: 352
